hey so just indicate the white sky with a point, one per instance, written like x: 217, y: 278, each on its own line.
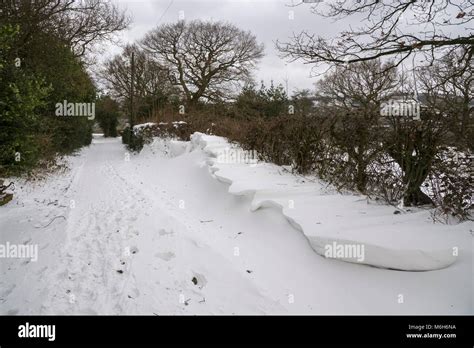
x: 269, y: 20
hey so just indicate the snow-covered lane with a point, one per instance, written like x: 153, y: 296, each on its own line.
x: 152, y: 234
x: 120, y: 251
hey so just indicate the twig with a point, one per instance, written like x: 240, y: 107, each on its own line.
x: 59, y: 216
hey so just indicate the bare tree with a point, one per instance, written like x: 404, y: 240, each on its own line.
x: 362, y: 85
x: 149, y: 75
x: 79, y: 23
x: 449, y: 88
x: 205, y: 59
x: 352, y: 95
x: 395, y: 29
x: 366, y: 147
x: 150, y: 83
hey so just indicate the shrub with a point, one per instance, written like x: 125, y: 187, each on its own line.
x: 451, y: 183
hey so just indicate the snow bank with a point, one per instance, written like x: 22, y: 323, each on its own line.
x: 245, y: 263
x: 167, y: 147
x: 142, y: 126
x: 409, y: 242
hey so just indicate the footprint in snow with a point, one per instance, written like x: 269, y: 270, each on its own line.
x: 199, y: 280
x: 163, y: 232
x: 165, y: 256
x: 134, y: 293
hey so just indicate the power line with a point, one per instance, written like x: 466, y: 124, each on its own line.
x: 166, y: 11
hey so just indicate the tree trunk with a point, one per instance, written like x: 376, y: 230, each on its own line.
x: 415, y: 172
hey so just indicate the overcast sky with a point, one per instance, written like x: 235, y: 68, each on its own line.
x: 269, y: 20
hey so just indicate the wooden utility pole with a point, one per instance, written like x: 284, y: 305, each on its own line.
x: 132, y: 118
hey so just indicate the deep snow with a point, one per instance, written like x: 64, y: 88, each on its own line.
x: 156, y: 233
x: 391, y: 241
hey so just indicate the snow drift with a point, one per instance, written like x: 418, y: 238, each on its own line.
x: 406, y: 242
x: 154, y: 233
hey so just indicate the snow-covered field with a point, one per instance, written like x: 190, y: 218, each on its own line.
x: 174, y: 230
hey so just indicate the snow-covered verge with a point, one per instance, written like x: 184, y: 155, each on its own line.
x: 408, y: 242
x: 155, y: 233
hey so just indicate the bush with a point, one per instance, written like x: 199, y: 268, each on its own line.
x: 21, y: 96
x: 107, y: 113
x: 451, y: 183
x: 339, y: 149
x: 289, y: 140
x: 134, y: 140
x: 126, y: 135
